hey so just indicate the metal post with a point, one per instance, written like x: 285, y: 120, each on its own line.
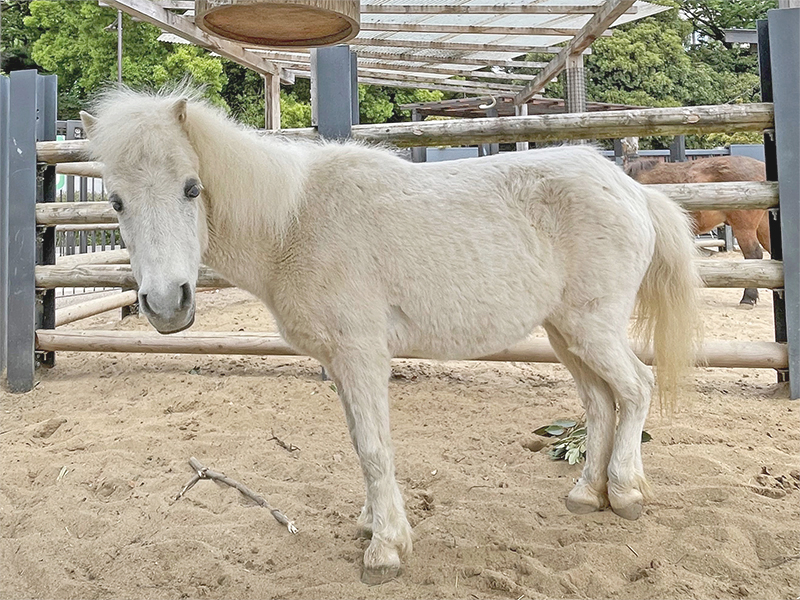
x: 619, y: 152
x: 47, y: 98
x: 494, y: 147
x: 21, y: 231
x: 677, y: 149
x: 784, y: 37
x: 5, y: 91
x: 419, y: 153
x: 354, y: 88
x: 521, y: 110
x: 332, y: 91
x: 771, y: 162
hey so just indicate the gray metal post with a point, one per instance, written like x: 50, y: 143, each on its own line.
x: 418, y: 153
x: 5, y: 91
x: 784, y: 38
x: 47, y: 99
x: 494, y: 147
x: 332, y: 91
x: 21, y: 231
x: 354, y: 88
x: 677, y: 149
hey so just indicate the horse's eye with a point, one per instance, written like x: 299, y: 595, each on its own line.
x: 116, y: 203
x: 192, y: 189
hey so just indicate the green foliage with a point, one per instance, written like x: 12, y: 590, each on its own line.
x: 71, y: 41
x: 571, y: 442
x: 16, y: 37
x: 379, y: 104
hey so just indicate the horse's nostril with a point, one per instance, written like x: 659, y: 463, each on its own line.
x: 186, y: 296
x: 143, y: 303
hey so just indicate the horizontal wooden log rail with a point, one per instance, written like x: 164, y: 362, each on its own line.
x: 742, y: 195
x: 714, y: 353
x: 103, y: 257
x: 725, y: 118
x: 718, y: 274
x: 107, y: 275
x: 94, y: 307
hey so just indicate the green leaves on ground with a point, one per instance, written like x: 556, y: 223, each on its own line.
x: 571, y: 443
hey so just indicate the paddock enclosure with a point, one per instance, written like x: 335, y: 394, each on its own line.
x: 97, y: 450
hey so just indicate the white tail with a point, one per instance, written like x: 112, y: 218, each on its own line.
x: 667, y: 303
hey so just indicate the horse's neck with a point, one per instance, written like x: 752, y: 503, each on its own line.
x: 251, y: 186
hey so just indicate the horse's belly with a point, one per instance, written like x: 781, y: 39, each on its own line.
x: 480, y: 317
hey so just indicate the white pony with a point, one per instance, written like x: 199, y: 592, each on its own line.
x: 362, y: 256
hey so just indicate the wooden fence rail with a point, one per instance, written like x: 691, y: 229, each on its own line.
x: 744, y: 195
x: 726, y: 118
x: 714, y: 353
x: 719, y: 274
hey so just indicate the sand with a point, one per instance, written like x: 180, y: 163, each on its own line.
x: 94, y: 457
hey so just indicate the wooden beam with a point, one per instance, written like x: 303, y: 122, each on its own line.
x: 385, y: 65
x: 744, y: 195
x: 80, y: 169
x: 53, y: 276
x: 272, y: 102
x: 444, y: 87
x: 452, y: 60
x: 724, y: 274
x: 438, y: 45
x: 420, y: 78
x: 104, y: 257
x: 469, y: 29
x: 483, y: 9
x: 713, y: 353
x: 642, y: 122
x: 94, y: 307
x: 183, y: 27
x: 565, y: 126
x: 304, y: 57
x: 600, y: 21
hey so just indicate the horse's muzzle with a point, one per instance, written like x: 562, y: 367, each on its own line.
x: 169, y: 309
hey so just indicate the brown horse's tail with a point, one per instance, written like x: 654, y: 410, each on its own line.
x: 667, y: 303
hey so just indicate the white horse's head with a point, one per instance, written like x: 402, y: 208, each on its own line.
x: 152, y: 174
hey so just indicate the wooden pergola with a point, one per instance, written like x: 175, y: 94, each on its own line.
x: 473, y: 47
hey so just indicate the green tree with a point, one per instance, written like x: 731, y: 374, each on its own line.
x: 15, y: 38
x: 74, y: 43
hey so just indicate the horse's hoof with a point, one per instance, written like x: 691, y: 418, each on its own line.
x: 746, y: 306
x: 381, y: 564
x: 582, y: 500
x: 628, y: 505
x: 630, y: 512
x: 380, y: 575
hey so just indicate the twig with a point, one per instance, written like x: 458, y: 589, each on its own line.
x: 203, y: 472
x: 282, y: 444
x: 635, y: 553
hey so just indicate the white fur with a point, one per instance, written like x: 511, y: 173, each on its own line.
x: 362, y: 256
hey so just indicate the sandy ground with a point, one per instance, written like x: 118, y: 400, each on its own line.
x: 94, y: 457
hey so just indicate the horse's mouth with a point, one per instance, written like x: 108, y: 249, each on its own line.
x: 188, y: 324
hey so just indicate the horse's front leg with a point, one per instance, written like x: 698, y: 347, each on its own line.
x: 362, y: 383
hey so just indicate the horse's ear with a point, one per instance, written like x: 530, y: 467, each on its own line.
x: 89, y: 123
x: 179, y: 110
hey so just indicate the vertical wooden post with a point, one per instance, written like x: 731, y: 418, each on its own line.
x: 575, y: 88
x: 272, y: 102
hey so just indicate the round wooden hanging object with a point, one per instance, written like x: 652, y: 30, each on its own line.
x: 280, y: 23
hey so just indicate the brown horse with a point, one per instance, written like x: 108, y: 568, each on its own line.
x: 749, y: 226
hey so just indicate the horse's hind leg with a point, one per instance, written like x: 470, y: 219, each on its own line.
x: 745, y: 228
x: 599, y: 339
x: 591, y: 491
x: 362, y: 378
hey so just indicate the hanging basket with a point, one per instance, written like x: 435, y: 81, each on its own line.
x: 280, y: 23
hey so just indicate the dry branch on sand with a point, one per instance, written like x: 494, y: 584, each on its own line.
x: 203, y: 472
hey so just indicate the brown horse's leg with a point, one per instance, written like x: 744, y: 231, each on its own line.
x: 763, y: 232
x: 744, y: 225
